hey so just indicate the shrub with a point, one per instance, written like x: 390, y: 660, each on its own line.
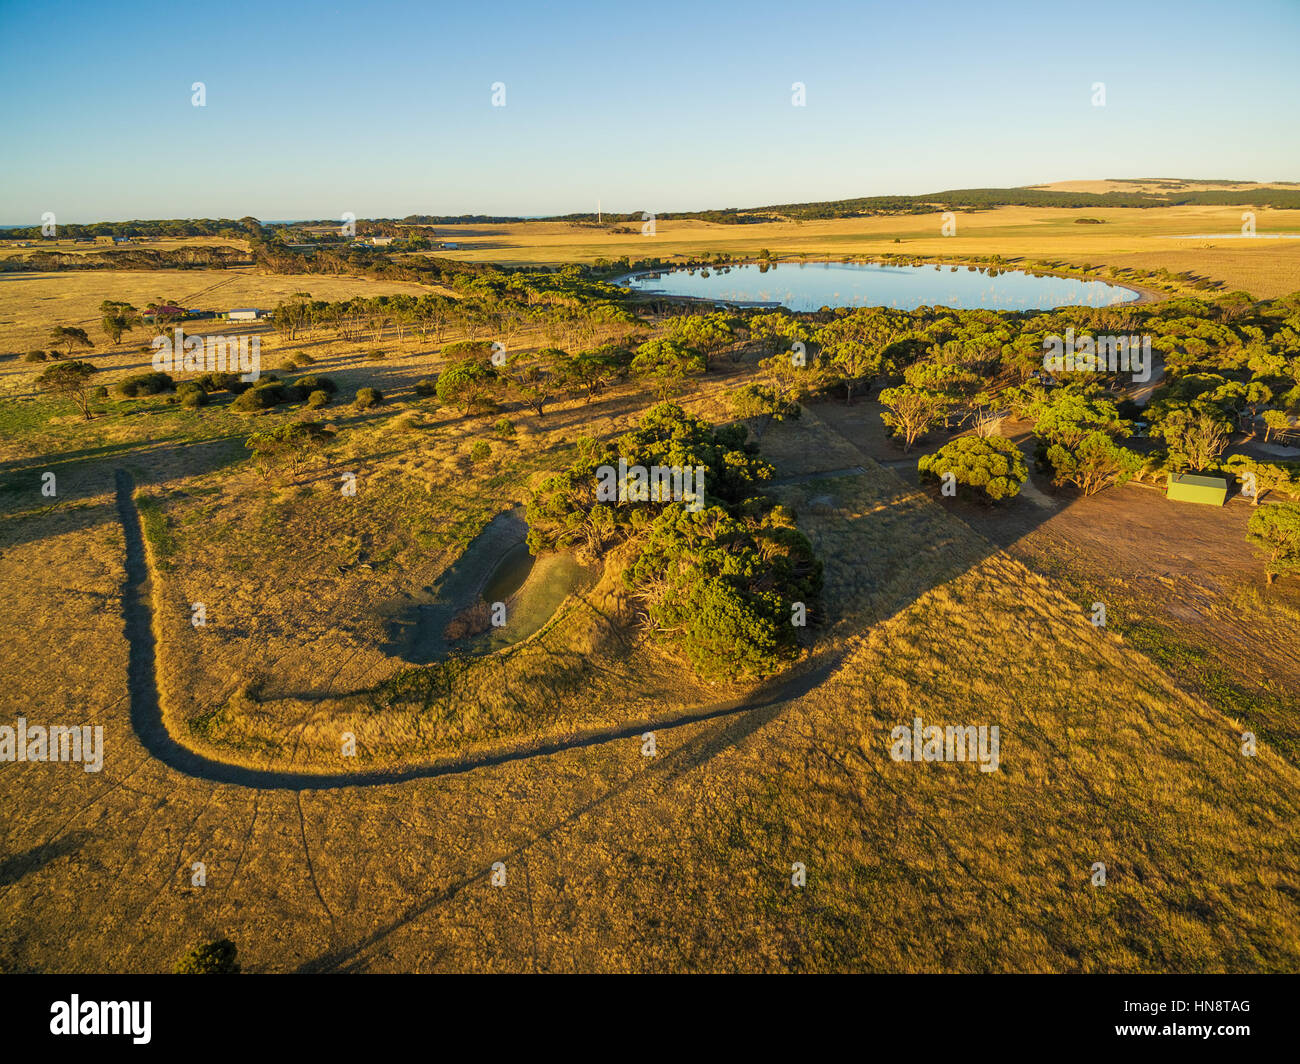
x: 504, y: 427
x: 212, y: 958
x: 145, y: 384
x: 314, y: 383
x: 469, y: 351
x: 100, y: 393
x: 368, y: 397
x: 304, y: 359
x: 222, y: 382
x: 262, y: 397
x: 35, y: 356
x: 191, y: 395
x: 317, y: 399
x: 480, y: 451
x: 426, y: 388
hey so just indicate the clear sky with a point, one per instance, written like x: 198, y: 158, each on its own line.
x: 384, y: 108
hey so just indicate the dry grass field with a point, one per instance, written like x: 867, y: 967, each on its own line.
x: 1144, y: 238
x: 1118, y: 745
x: 31, y: 303
x: 617, y: 861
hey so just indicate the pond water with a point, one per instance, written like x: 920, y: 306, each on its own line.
x: 427, y: 624
x: 813, y: 285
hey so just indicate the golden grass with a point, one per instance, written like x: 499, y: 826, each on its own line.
x: 1147, y: 238
x: 616, y: 861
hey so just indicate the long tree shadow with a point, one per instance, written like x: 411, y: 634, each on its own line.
x: 13, y: 868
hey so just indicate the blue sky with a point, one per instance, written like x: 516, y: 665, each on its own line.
x: 384, y: 108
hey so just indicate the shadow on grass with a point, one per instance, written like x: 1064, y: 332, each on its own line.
x: 14, y: 868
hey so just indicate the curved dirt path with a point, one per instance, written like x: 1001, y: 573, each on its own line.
x: 147, y: 720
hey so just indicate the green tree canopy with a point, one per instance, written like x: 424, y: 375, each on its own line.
x: 992, y: 465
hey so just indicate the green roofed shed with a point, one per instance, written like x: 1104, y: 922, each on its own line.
x: 1191, y: 487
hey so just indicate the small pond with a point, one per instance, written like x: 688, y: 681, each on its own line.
x: 813, y: 285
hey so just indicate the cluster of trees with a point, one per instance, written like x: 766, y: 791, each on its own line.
x: 565, y: 315
x: 227, y: 228
x: 980, y: 199
x: 717, y: 579
x: 1232, y: 369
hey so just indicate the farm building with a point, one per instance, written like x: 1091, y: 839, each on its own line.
x: 1191, y: 487
x: 245, y: 314
x: 381, y: 241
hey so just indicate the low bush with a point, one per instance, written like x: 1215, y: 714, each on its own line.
x: 211, y: 958
x: 314, y: 383
x: 263, y: 397
x: 145, y: 384
x: 191, y: 396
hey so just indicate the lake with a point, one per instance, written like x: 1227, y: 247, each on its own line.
x: 813, y: 285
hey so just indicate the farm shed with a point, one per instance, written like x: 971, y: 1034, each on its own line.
x: 244, y: 314
x: 1191, y: 487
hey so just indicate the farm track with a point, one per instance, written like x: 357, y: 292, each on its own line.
x: 147, y: 718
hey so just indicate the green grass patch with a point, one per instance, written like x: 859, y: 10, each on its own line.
x: 157, y: 530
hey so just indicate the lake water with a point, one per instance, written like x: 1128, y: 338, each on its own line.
x: 811, y: 286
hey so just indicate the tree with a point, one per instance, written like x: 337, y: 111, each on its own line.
x: 759, y: 400
x: 68, y: 337
x: 855, y: 343
x: 117, y: 318
x: 530, y: 378
x: 707, y: 333
x: 68, y: 380
x: 911, y: 412
x: 468, y: 384
x: 592, y: 371
x: 1275, y: 421
x: 1275, y: 532
x: 1096, y: 462
x: 720, y: 587
x: 289, y: 318
x: 1196, y: 435
x: 1067, y: 416
x: 667, y: 363
x: 990, y: 463
x: 292, y: 444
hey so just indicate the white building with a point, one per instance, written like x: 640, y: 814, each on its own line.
x: 245, y: 314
